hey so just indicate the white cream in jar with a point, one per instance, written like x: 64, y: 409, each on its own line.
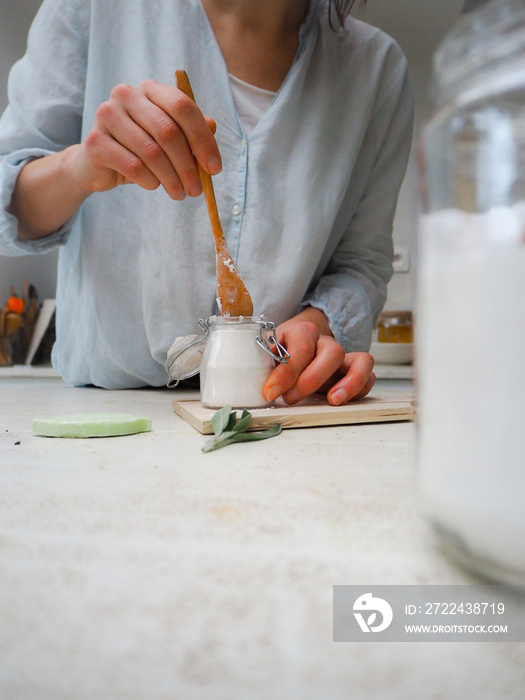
x: 235, y: 357
x: 236, y: 363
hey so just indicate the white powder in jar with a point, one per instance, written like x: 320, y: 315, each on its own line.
x: 234, y: 367
x: 470, y: 360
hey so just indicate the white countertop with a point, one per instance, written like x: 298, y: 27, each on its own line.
x: 141, y: 568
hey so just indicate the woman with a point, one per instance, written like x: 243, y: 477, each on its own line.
x: 313, y: 134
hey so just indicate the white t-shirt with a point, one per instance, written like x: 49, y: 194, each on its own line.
x: 251, y: 102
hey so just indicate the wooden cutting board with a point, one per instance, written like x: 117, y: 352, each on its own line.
x: 315, y: 411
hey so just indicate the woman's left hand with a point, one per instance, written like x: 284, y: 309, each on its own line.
x: 318, y: 364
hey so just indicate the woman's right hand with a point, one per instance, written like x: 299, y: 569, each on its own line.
x: 150, y: 135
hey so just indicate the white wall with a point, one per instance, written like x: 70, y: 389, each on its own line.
x: 417, y: 25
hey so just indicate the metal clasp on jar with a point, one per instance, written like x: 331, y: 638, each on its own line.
x: 282, y: 355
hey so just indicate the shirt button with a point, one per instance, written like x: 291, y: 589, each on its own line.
x: 236, y: 209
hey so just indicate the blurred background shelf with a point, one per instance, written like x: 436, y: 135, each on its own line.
x: 28, y: 371
x: 394, y: 371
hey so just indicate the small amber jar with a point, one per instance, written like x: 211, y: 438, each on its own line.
x: 395, y: 327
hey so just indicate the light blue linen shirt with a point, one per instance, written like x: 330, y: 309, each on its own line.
x: 306, y: 200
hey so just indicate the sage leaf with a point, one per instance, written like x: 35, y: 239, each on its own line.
x: 221, y: 419
x: 232, y: 421
x: 257, y: 434
x: 228, y: 429
x: 217, y: 441
x: 243, y: 422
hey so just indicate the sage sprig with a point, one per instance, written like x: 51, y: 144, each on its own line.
x: 229, y: 429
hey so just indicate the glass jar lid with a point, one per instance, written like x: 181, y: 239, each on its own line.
x: 185, y: 356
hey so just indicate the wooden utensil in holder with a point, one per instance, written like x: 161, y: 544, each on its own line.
x: 10, y: 322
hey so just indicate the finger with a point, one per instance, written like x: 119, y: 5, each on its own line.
x: 109, y: 155
x: 145, y: 129
x: 189, y: 117
x: 358, y: 380
x: 366, y: 389
x: 329, y: 357
x: 301, y: 345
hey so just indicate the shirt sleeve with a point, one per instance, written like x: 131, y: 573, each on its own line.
x: 353, y: 288
x: 44, y: 115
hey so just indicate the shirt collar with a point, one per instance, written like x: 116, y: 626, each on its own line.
x: 308, y: 24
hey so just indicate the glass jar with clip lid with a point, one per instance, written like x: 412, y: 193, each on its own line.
x: 471, y: 288
x: 235, y: 357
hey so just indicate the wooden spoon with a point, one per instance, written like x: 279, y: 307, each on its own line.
x: 232, y: 296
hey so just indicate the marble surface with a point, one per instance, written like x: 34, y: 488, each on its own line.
x: 141, y: 568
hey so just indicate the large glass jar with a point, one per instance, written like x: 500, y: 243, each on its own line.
x: 470, y: 323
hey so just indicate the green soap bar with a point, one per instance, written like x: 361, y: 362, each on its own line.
x: 85, y: 425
